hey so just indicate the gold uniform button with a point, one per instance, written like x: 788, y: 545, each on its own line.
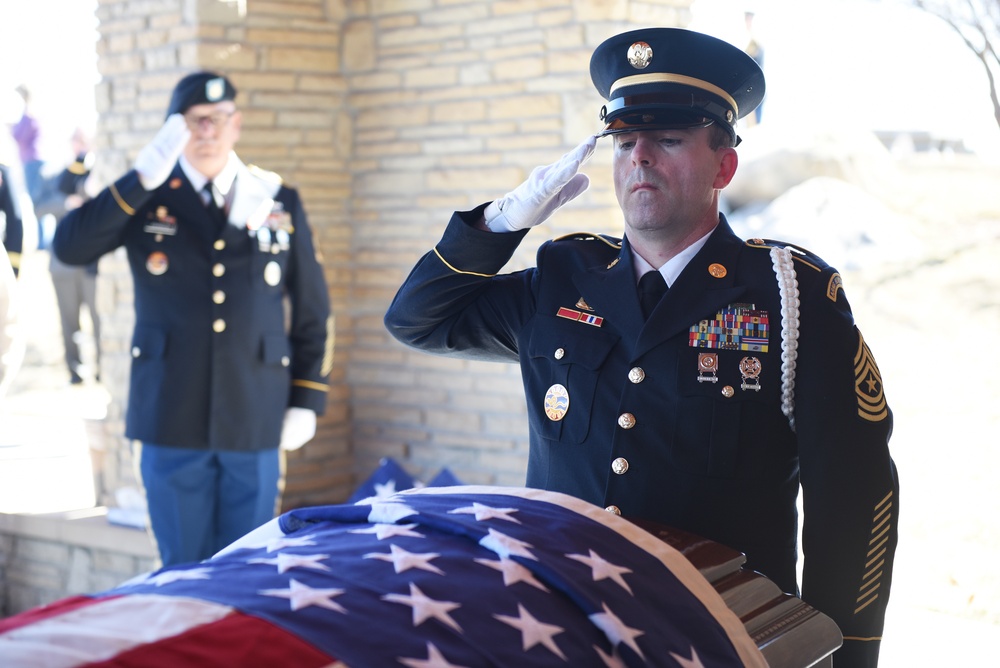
x: 218, y: 296
x: 728, y: 391
x: 218, y: 270
x: 219, y: 244
x: 285, y: 361
x: 626, y: 420
x: 560, y: 353
x: 619, y: 466
x: 636, y: 375
x: 614, y: 509
x: 219, y: 326
x: 136, y: 351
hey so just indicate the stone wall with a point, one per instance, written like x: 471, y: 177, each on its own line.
x: 47, y: 557
x: 387, y: 115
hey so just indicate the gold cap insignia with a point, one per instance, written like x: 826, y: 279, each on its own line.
x: 640, y: 55
x: 215, y: 89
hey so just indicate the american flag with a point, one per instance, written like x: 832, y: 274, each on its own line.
x: 427, y: 578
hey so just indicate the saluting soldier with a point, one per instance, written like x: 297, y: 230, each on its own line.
x: 701, y: 401
x: 218, y: 382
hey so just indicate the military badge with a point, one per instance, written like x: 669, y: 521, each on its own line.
x: 717, y: 270
x: 750, y: 370
x: 157, y: 263
x: 161, y: 222
x: 556, y: 402
x: 708, y: 366
x: 272, y: 273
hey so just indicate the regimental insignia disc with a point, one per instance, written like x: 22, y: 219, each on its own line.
x: 556, y: 402
x: 157, y: 263
x: 272, y: 273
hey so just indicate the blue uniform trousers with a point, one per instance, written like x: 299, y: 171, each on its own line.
x: 200, y: 501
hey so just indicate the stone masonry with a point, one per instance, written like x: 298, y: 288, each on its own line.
x: 387, y: 115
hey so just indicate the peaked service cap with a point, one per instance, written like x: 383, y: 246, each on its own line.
x: 661, y: 78
x: 200, y: 88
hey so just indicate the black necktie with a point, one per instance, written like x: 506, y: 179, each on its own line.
x: 217, y: 213
x: 652, y: 287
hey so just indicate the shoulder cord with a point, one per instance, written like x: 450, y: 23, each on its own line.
x: 788, y: 289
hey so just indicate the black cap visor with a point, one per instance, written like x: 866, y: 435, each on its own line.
x: 660, y: 111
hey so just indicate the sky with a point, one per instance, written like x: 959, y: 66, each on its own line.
x: 875, y: 65
x: 862, y: 63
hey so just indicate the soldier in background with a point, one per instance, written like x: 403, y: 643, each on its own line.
x: 218, y: 385
x: 75, y: 285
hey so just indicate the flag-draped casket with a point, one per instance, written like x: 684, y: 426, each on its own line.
x: 433, y: 577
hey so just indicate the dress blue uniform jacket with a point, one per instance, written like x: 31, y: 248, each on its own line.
x: 643, y: 430
x: 213, y: 365
x: 13, y: 227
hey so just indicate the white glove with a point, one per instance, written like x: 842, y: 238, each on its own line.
x: 547, y: 189
x: 298, y: 427
x: 157, y: 158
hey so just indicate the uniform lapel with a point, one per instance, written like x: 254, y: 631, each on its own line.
x: 189, y: 204
x: 611, y: 292
x: 698, y: 292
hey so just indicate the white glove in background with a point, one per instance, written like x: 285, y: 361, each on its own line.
x: 298, y: 427
x: 157, y: 158
x: 547, y: 189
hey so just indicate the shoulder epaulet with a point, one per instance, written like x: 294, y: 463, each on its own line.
x: 265, y: 174
x: 803, y: 255
x: 590, y: 236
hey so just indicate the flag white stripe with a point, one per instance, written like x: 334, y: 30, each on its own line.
x: 104, y: 629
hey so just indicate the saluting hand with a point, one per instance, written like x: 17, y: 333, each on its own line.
x: 156, y: 160
x: 547, y: 188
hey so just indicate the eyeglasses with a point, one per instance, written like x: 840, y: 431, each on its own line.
x: 216, y: 120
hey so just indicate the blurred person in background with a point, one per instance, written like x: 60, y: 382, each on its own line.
x: 219, y: 386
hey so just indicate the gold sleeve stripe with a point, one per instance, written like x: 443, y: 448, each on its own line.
x: 15, y: 259
x: 871, y: 581
x: 459, y: 271
x: 121, y: 202
x: 327, y: 366
x: 868, y: 385
x: 861, y: 639
x: 311, y: 385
